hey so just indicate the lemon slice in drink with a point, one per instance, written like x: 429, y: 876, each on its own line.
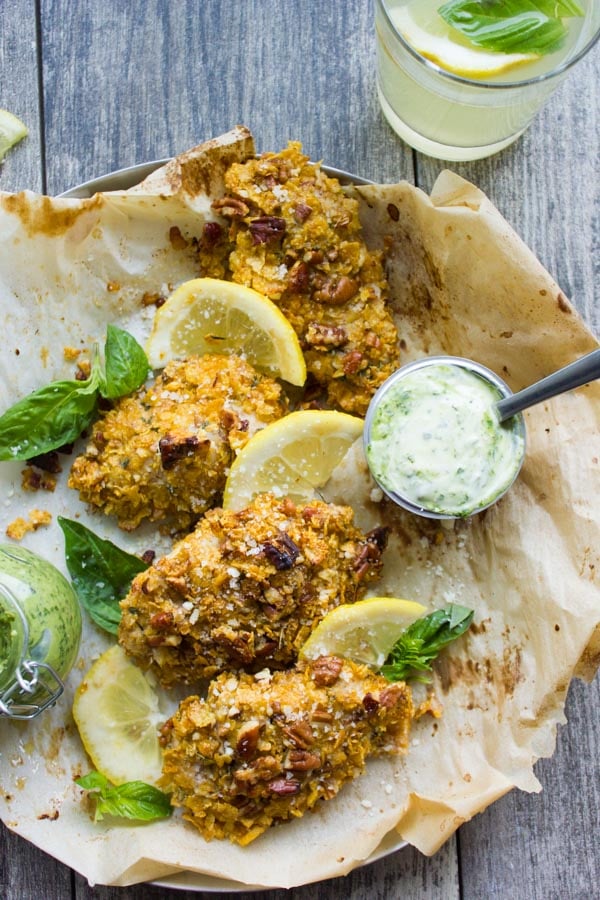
x: 117, y: 714
x: 364, y: 631
x: 12, y: 130
x: 207, y: 315
x: 450, y: 50
x: 293, y: 457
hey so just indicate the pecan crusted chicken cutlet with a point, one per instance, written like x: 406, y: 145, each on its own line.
x: 245, y: 589
x: 163, y: 453
x: 264, y: 749
x: 296, y: 237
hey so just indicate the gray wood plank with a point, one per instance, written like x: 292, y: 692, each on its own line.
x: 547, y: 187
x: 19, y: 93
x: 130, y: 82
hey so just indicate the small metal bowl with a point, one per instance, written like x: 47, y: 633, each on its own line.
x: 516, y: 423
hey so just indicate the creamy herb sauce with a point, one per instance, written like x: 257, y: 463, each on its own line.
x: 51, y: 609
x: 436, y: 440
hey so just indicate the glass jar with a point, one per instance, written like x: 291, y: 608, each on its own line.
x: 40, y: 630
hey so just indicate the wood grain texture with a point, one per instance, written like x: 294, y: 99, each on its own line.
x: 127, y: 82
x: 19, y: 93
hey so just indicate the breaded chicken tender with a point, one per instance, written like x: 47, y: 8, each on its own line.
x: 246, y: 588
x: 296, y: 237
x: 163, y: 453
x: 264, y: 749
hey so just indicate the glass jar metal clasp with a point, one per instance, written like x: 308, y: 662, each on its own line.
x: 32, y: 677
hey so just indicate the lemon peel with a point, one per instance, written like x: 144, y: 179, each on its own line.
x: 451, y: 52
x: 363, y: 632
x: 117, y: 714
x: 207, y: 315
x: 293, y: 457
x: 12, y: 130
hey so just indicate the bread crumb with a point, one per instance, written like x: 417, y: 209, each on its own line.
x: 19, y: 527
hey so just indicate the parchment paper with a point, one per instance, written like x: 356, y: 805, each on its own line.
x: 461, y: 282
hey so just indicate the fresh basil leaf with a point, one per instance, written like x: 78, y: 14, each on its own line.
x: 422, y: 641
x: 47, y: 419
x: 511, y: 26
x: 132, y: 800
x: 100, y: 571
x: 93, y: 781
x: 125, y: 364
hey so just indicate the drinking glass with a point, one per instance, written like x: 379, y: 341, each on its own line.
x: 452, y: 117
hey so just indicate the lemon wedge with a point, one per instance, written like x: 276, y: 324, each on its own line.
x: 12, y: 130
x: 207, y: 315
x: 117, y: 714
x: 292, y: 457
x: 448, y: 49
x: 364, y: 632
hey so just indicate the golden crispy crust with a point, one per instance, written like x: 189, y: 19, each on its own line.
x: 296, y: 237
x: 266, y: 748
x: 163, y: 453
x: 245, y: 589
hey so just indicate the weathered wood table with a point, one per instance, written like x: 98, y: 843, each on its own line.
x: 103, y: 85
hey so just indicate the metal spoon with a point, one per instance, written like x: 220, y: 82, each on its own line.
x: 574, y: 375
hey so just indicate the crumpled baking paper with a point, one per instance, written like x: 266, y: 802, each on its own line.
x: 461, y: 282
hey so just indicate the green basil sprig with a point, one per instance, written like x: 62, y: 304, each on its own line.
x: 414, y: 651
x: 58, y: 413
x: 132, y: 800
x: 100, y: 571
x: 512, y: 26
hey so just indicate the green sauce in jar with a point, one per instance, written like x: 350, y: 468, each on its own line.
x: 435, y: 440
x: 40, y: 630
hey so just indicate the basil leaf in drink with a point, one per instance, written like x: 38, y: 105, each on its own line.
x: 100, y: 571
x: 132, y: 800
x: 47, y: 419
x: 125, y: 364
x: 422, y: 641
x: 511, y: 26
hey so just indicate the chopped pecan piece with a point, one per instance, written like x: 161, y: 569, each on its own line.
x: 326, y: 335
x: 267, y: 229
x: 322, y: 715
x: 326, y: 670
x: 232, y: 207
x: 247, y: 742
x: 302, y: 761
x: 211, y: 233
x: 48, y: 462
x: 172, y: 449
x: 283, y: 552
x: 284, y: 786
x: 337, y: 292
x: 390, y: 696
x: 302, y: 212
x: 301, y: 734
x: 370, y: 703
x: 262, y: 769
x: 352, y: 362
x: 162, y: 620
x: 299, y: 277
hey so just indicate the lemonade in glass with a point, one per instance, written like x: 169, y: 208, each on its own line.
x: 455, y: 99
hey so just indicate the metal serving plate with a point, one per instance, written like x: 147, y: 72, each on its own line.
x: 121, y: 180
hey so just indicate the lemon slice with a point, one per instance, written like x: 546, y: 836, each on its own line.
x: 207, y: 315
x: 117, y: 714
x: 292, y: 457
x: 439, y: 43
x: 364, y: 631
x: 12, y: 130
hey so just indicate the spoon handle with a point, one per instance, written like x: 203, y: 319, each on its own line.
x: 575, y: 374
